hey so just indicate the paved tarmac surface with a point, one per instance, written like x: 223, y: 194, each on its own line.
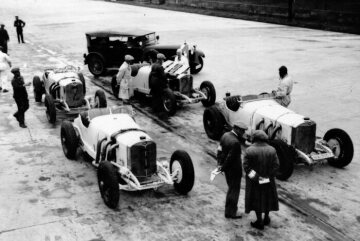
x: 44, y: 196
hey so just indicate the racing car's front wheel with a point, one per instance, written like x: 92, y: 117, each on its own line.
x: 108, y: 184
x: 100, y: 99
x: 341, y: 145
x: 50, y: 109
x: 69, y: 139
x: 38, y: 88
x: 96, y: 65
x: 182, y: 168
x: 115, y: 87
x: 209, y: 90
x: 214, y: 122
x: 168, y: 101
x: 286, y: 155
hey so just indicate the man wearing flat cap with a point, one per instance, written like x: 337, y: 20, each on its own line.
x: 124, y: 79
x: 229, y: 161
x: 158, y: 81
x: 20, y: 96
x: 260, y: 165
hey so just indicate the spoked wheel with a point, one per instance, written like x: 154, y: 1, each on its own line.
x: 209, y: 90
x: 181, y: 164
x: 108, y: 184
x: 168, y: 101
x: 341, y: 145
x: 100, y: 99
x: 69, y: 139
x: 96, y: 65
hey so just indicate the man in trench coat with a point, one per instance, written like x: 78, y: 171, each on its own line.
x: 20, y: 96
x: 260, y: 165
x: 229, y: 161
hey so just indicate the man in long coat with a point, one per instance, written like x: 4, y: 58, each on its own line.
x: 124, y: 79
x: 229, y: 161
x: 158, y: 80
x: 20, y: 96
x: 4, y: 38
x: 260, y: 165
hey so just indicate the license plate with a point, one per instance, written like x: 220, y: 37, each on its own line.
x: 322, y: 156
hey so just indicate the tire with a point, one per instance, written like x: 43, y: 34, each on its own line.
x: 208, y: 88
x: 100, y: 99
x: 180, y: 160
x: 82, y: 79
x: 38, y: 88
x: 214, y: 122
x: 286, y: 155
x: 50, y: 109
x: 193, y: 69
x: 69, y: 139
x: 115, y: 87
x: 168, y: 101
x: 108, y: 184
x: 340, y: 143
x: 96, y: 65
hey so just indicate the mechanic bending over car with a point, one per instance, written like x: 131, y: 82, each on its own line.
x: 229, y: 162
x: 282, y: 94
x: 158, y: 81
x: 124, y: 80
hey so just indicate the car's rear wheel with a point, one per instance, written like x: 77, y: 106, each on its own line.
x: 69, y: 139
x: 38, y: 88
x: 50, y: 109
x: 209, y: 90
x: 168, y: 101
x: 100, y: 99
x: 108, y: 184
x: 115, y: 87
x: 96, y: 65
x: 197, y: 67
x: 184, y: 179
x: 341, y: 145
x: 214, y: 122
x: 82, y: 79
x: 286, y: 155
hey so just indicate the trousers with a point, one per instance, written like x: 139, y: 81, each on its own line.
x: 233, y: 180
x: 23, y: 106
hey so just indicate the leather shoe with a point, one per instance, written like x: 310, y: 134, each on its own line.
x: 236, y: 216
x: 23, y: 126
x: 267, y: 221
x: 257, y: 225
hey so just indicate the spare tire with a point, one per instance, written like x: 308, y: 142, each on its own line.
x: 286, y: 155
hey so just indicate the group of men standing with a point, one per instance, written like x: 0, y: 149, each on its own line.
x: 19, y: 91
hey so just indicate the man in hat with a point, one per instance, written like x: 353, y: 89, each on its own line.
x: 123, y: 79
x: 20, y: 96
x: 4, y: 38
x: 5, y: 64
x: 260, y: 165
x: 282, y: 94
x: 19, y: 25
x: 158, y: 80
x: 229, y: 161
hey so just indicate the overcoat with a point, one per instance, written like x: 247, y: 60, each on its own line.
x: 261, y: 158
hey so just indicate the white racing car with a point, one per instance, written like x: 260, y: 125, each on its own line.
x: 64, y: 90
x: 124, y: 154
x: 292, y: 135
x: 180, y: 91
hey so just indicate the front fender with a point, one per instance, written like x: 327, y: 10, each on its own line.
x: 197, y: 55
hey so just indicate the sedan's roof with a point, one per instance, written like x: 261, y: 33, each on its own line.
x: 130, y: 33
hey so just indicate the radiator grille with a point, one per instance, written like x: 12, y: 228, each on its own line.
x: 143, y: 159
x: 303, y: 137
x: 74, y: 94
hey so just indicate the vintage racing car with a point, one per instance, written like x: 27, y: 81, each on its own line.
x: 292, y: 135
x: 64, y: 90
x: 124, y: 154
x: 106, y: 50
x: 180, y: 91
